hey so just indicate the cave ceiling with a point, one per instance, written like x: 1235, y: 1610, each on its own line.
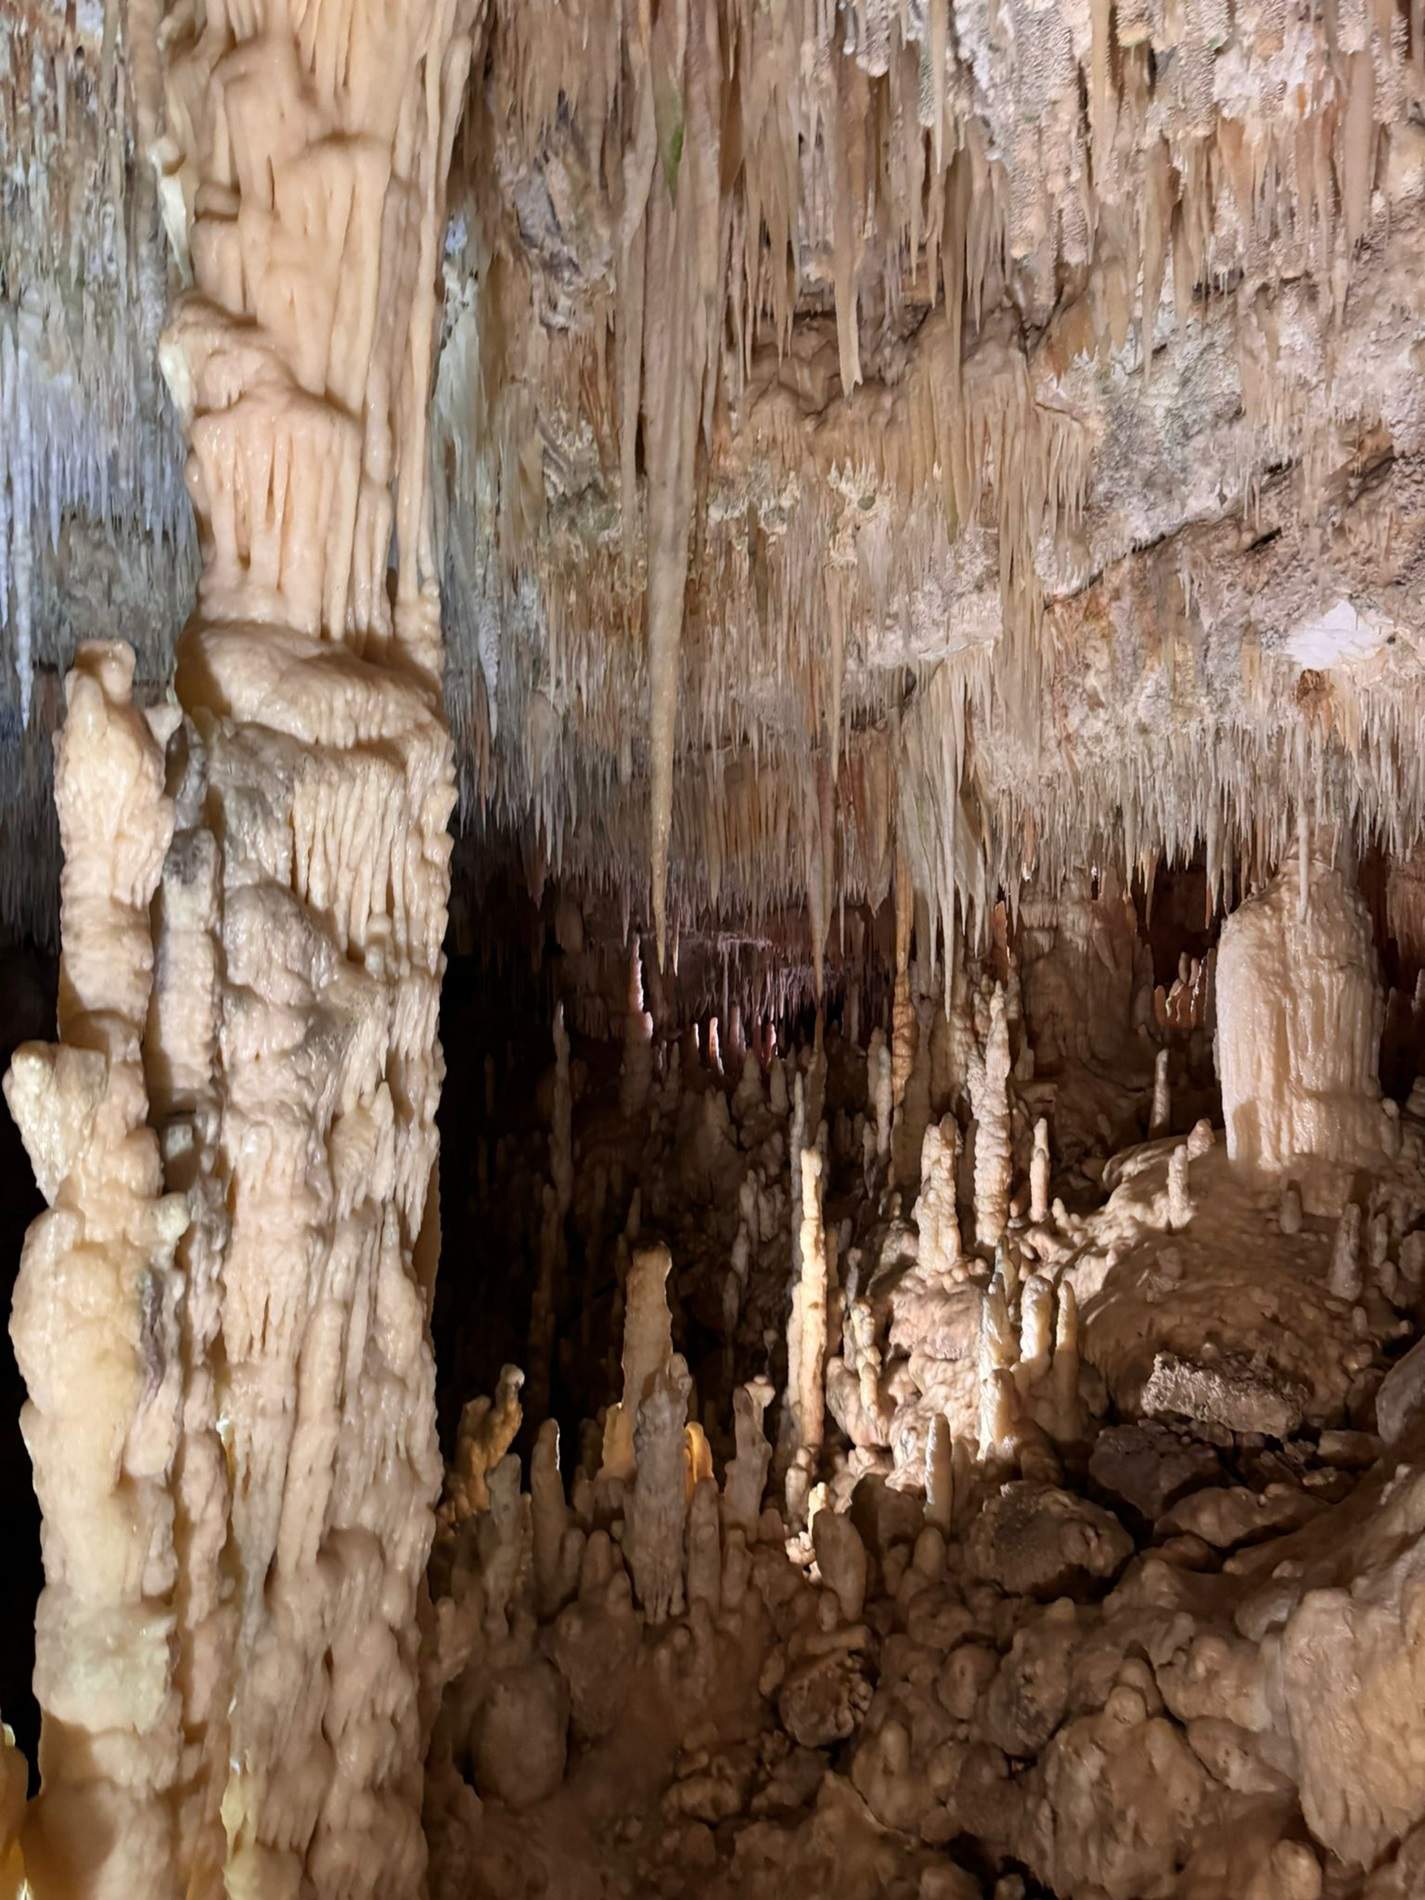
x: 995, y: 427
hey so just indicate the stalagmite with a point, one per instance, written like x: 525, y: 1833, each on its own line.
x: 989, y: 1080
x: 95, y: 1325
x: 878, y: 1074
x: 940, y: 1474
x: 704, y: 1547
x: 1067, y: 1423
x: 1202, y: 1139
x: 806, y: 1335
x: 936, y: 1212
x: 1299, y: 1012
x: 747, y: 1472
x: 1382, y: 1269
x: 1161, y: 1115
x: 1039, y: 1173
x: 1036, y: 1332
x: 555, y: 1555
x: 637, y: 1075
x: 1289, y: 1209
x: 748, y: 1096
x: 647, y: 1352
x: 487, y: 1430
x: 658, y: 1499
x: 903, y: 1024
x: 1179, y: 1191
x: 542, y: 1302
x: 1346, y: 1272
x: 995, y: 1353
x: 841, y: 1558
x: 561, y: 1139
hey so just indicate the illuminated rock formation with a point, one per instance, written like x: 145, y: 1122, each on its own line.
x: 927, y: 506
x: 1299, y: 1016
x: 265, y: 1619
x: 96, y: 1331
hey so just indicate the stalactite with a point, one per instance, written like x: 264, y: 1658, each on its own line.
x: 680, y: 356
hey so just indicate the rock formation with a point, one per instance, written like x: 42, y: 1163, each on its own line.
x: 804, y: 621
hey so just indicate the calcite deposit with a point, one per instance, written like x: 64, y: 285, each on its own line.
x: 710, y: 753
x: 1095, y: 1580
x: 222, y: 1321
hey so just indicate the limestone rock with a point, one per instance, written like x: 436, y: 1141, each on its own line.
x: 1036, y: 1540
x: 1150, y: 1467
x: 595, y: 1648
x: 1230, y: 1515
x: 1352, y: 1673
x: 1030, y: 1693
x: 521, y: 1735
x: 965, y: 1676
x: 824, y: 1698
x: 1232, y: 1756
x: 1229, y: 1391
x: 1401, y: 1394
x: 1403, y: 1877
x: 1116, y: 1801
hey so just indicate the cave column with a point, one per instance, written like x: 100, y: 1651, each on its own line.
x: 314, y: 144
x: 291, y: 1054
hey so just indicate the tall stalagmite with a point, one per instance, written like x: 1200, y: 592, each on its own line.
x: 280, y: 1433
x: 95, y: 1331
x: 1299, y: 1014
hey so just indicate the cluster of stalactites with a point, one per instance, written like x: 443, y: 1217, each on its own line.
x: 84, y: 435
x: 758, y: 837
x: 858, y: 160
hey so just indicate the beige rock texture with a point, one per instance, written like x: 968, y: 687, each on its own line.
x: 241, y: 1115
x: 859, y: 567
